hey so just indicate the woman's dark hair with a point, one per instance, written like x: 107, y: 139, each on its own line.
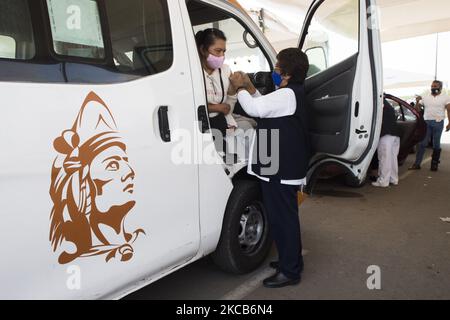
x: 206, y: 38
x: 293, y: 62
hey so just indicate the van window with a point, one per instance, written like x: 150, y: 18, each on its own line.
x: 76, y: 28
x: 7, y: 47
x: 243, y: 52
x: 16, y: 32
x: 99, y: 42
x: 141, y: 35
x: 334, y: 29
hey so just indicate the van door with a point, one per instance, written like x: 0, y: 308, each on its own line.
x: 344, y: 84
x: 92, y: 199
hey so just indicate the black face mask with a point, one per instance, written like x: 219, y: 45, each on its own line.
x: 435, y: 91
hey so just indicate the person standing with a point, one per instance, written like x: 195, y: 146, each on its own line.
x: 388, y: 149
x: 434, y: 115
x: 281, y: 119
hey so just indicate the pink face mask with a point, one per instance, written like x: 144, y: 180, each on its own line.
x: 215, y: 62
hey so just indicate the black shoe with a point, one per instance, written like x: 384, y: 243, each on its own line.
x: 414, y: 167
x: 435, y: 159
x: 434, y: 166
x: 279, y: 280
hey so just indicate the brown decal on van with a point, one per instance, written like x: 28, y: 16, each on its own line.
x: 92, y: 188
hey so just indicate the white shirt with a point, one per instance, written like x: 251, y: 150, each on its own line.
x: 435, y: 107
x: 280, y: 103
x: 214, y: 92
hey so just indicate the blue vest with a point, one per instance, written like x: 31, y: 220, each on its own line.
x: 293, y: 143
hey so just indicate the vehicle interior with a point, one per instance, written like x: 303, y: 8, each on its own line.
x: 243, y: 53
x: 328, y: 87
x: 329, y: 107
x: 331, y: 43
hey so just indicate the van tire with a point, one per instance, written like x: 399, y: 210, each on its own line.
x: 231, y: 254
x: 351, y: 181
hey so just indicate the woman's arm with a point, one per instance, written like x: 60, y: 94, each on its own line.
x: 220, y: 108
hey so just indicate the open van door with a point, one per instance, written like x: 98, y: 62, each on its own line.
x: 344, y: 84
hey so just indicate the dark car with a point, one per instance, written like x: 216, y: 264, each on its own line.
x: 411, y: 123
x: 412, y: 130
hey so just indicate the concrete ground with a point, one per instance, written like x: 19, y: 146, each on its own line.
x: 344, y: 232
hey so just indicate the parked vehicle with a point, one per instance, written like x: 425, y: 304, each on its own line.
x: 412, y: 126
x: 97, y: 98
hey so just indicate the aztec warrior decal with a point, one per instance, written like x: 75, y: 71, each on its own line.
x: 91, y: 188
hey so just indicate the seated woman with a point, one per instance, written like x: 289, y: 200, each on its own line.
x: 221, y: 95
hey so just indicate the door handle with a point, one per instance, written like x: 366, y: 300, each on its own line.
x: 360, y: 131
x: 203, y: 119
x: 163, y: 120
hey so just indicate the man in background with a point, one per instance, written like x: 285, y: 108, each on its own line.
x: 434, y: 114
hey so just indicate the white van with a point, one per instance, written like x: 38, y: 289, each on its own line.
x: 94, y: 96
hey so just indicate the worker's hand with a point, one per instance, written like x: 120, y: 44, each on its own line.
x: 247, y: 82
x: 237, y: 80
x: 418, y: 99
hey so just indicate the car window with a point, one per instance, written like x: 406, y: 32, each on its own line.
x: 139, y: 32
x: 16, y: 32
x: 100, y: 42
x: 141, y: 35
x: 7, y: 47
x: 409, y: 115
x: 243, y: 52
x: 397, y: 108
x: 76, y: 28
x: 333, y: 35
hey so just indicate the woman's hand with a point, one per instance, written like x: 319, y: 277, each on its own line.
x: 232, y: 90
x: 220, y: 108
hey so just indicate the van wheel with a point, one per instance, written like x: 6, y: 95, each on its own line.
x: 244, y: 242
x: 351, y: 181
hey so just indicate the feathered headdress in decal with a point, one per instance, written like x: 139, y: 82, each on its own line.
x: 73, y: 191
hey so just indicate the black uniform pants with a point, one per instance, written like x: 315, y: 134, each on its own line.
x: 281, y: 204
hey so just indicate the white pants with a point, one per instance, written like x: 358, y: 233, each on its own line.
x: 388, y: 149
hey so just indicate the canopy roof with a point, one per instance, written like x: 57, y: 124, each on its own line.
x: 399, y: 19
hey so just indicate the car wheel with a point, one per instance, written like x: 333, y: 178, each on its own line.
x: 351, y: 181
x: 244, y: 242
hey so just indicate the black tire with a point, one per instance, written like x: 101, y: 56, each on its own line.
x: 351, y: 181
x: 231, y: 255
